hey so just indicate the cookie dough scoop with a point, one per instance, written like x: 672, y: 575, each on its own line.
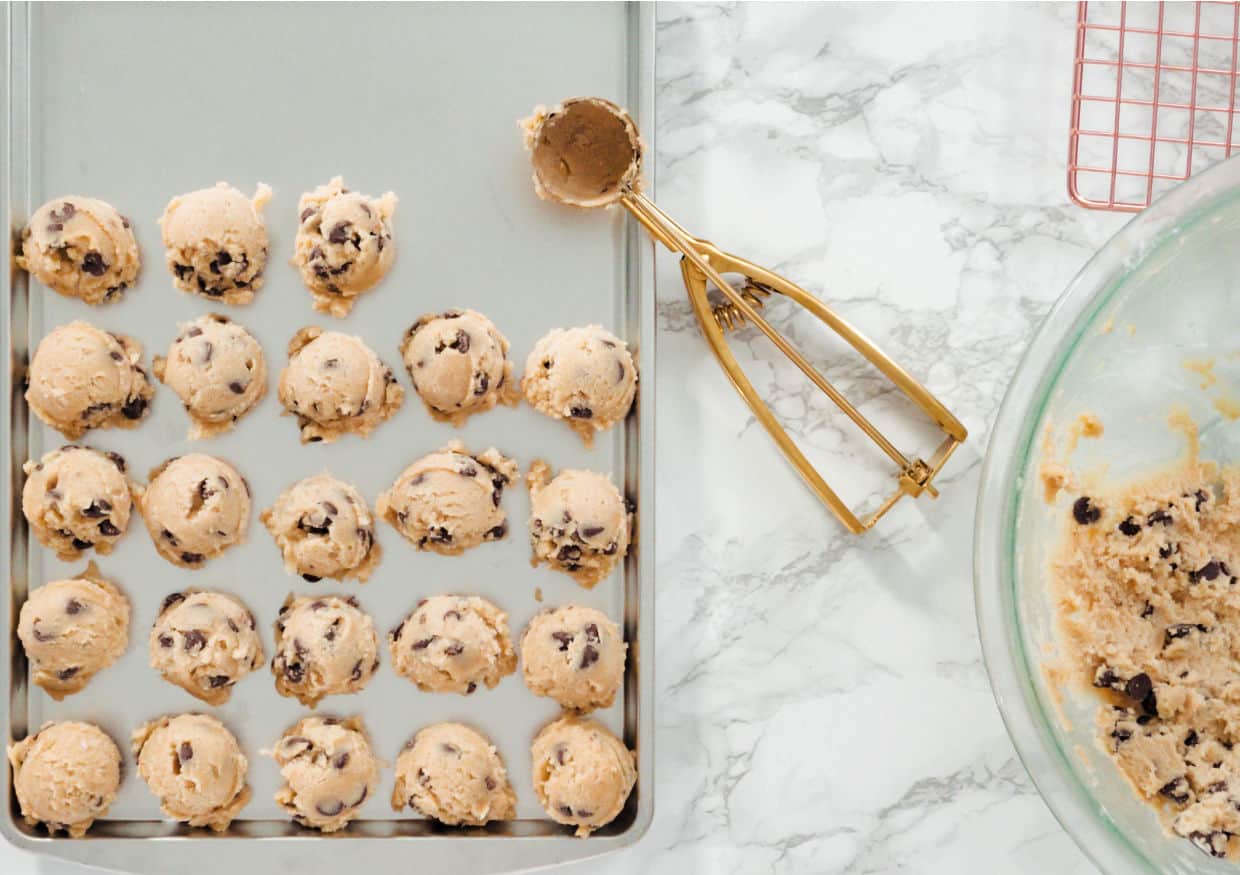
x: 77, y: 499
x: 580, y: 524
x: 574, y: 655
x: 453, y: 644
x: 583, y: 774
x: 215, y: 242
x: 195, y: 766
x: 452, y: 773
x: 195, y: 508
x: 458, y: 363
x: 324, y: 529
x: 325, y: 645
x: 582, y: 376
x: 81, y: 247
x: 65, y: 776
x: 204, y: 642
x: 329, y: 771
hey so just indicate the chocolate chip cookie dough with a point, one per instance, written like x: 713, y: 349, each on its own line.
x: 324, y: 529
x: 579, y: 523
x: 82, y: 378
x: 452, y: 644
x: 195, y: 508
x: 583, y: 376
x: 582, y: 773
x: 81, y: 248
x: 215, y: 242
x: 453, y: 773
x: 575, y: 655
x: 73, y: 629
x: 325, y: 645
x: 65, y: 776
x: 458, y: 363
x: 204, y: 642
x: 344, y: 244
x: 76, y: 499
x: 196, y: 768
x: 329, y: 771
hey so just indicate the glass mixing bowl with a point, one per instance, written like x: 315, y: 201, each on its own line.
x: 1163, y: 291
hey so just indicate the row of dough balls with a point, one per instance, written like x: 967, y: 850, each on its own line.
x: 82, y: 377
x: 215, y: 245
x: 67, y: 774
x: 196, y: 506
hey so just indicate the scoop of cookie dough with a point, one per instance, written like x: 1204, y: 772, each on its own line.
x: 73, y: 629
x: 204, y: 642
x: 325, y: 645
x: 76, y: 498
x: 82, y: 378
x: 334, y: 384
x: 575, y: 655
x: 449, y: 501
x: 81, y: 248
x: 344, y: 244
x: 579, y: 523
x: 218, y: 370
x: 215, y: 242
x: 65, y: 776
x: 451, y: 644
x: 196, y: 768
x: 324, y: 529
x: 582, y: 773
x: 453, y: 773
x: 586, y: 151
x: 584, y: 376
x: 195, y: 508
x: 458, y: 362
x: 329, y: 771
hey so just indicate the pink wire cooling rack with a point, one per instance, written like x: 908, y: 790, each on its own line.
x: 1153, y: 98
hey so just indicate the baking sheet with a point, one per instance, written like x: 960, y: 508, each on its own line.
x: 135, y: 104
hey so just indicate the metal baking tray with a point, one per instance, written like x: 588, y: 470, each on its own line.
x: 135, y: 104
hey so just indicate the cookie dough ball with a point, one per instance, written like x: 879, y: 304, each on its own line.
x: 325, y: 645
x: 329, y: 771
x: 582, y: 773
x: 449, y: 501
x: 196, y: 768
x: 344, y: 244
x: 451, y: 644
x: 73, y: 629
x: 204, y: 642
x: 453, y: 773
x: 584, y: 376
x: 574, y: 655
x: 579, y: 523
x: 82, y: 378
x: 458, y: 362
x: 81, y: 248
x: 75, y: 499
x: 324, y: 529
x: 195, y: 508
x: 218, y: 370
x: 65, y: 776
x: 334, y: 384
x: 215, y: 242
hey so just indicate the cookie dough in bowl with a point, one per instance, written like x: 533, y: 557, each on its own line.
x: 325, y: 645
x: 82, y: 377
x: 324, y: 529
x: 583, y: 376
x: 452, y: 773
x: 583, y: 774
x: 574, y: 655
x: 65, y: 776
x: 195, y: 508
x: 217, y: 369
x: 329, y: 771
x: 334, y: 384
x: 204, y: 642
x: 453, y: 644
x: 194, y: 765
x: 215, y: 242
x: 80, y: 247
x: 344, y: 244
x: 76, y: 499
x: 458, y: 363
x: 73, y: 629
x: 579, y: 523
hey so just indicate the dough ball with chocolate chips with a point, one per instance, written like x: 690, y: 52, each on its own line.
x: 218, y: 370
x: 329, y: 771
x: 334, y: 384
x: 582, y: 773
x: 325, y: 645
x: 453, y: 644
x: 73, y: 629
x: 453, y: 773
x: 215, y: 242
x: 65, y: 776
x: 196, y: 768
x: 579, y: 523
x: 195, y: 508
x: 75, y: 499
x: 204, y: 642
x: 82, y: 378
x: 81, y: 248
x: 344, y: 244
x: 584, y: 376
x: 324, y: 529
x: 575, y: 655
x: 449, y: 501
x: 458, y: 362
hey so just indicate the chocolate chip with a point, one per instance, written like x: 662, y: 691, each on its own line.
x: 589, y: 656
x: 468, y: 470
x: 1138, y: 687
x: 461, y: 342
x: 41, y: 636
x: 311, y: 578
x: 592, y: 633
x: 307, y: 213
x: 165, y: 640
x: 568, y: 553
x: 356, y: 674
x: 619, y: 372
x: 67, y: 211
x: 496, y: 494
x: 1176, y: 790
x: 1121, y: 734
x: 1147, y: 611
x: 65, y: 673
x: 171, y: 600
x: 546, y: 364
x: 195, y: 640
x: 1158, y: 516
x: 79, y: 544
x: 93, y: 264
x: 134, y: 408
x: 73, y: 606
x: 192, y: 558
x: 331, y: 809
x: 1084, y: 512
x: 497, y: 532
x: 566, y: 811
x: 1149, y: 705
x: 579, y: 411
x: 1209, y: 571
x: 564, y: 639
x: 1180, y: 630
x: 1191, y: 739
x: 223, y: 257
x: 440, y: 535
x: 55, y: 226
x: 489, y: 782
x: 1129, y: 527
x: 1216, y: 787
x: 219, y: 680
x: 611, y: 548
x: 484, y: 383
x: 1212, y: 843
x: 294, y: 672
x: 108, y: 530
x: 423, y: 644
x: 591, y: 531
x: 97, y: 509
x: 339, y: 233
x: 117, y: 460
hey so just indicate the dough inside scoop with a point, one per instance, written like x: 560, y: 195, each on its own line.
x: 584, y: 151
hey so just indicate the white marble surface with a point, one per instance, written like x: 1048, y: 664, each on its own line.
x: 822, y: 701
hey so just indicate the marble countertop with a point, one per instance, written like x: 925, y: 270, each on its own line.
x: 822, y: 703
